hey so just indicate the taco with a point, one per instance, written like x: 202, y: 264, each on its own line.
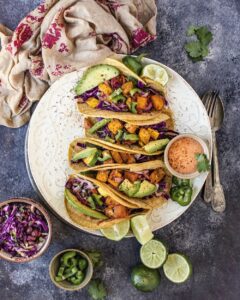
x: 111, y: 87
x: 91, y: 206
x: 90, y: 154
x: 134, y: 138
x: 141, y: 184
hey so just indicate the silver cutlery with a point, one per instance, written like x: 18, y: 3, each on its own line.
x: 213, y: 191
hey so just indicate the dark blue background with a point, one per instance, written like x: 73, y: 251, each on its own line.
x: 210, y: 240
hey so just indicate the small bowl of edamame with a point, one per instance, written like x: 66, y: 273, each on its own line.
x: 71, y: 269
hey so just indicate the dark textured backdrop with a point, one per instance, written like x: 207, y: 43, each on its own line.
x: 210, y: 240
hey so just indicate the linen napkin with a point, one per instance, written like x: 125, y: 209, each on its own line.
x: 61, y: 36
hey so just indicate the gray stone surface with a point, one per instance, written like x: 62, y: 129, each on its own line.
x: 210, y: 240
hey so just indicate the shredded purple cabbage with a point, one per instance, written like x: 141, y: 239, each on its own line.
x: 140, y: 84
x: 81, y: 145
x: 23, y: 230
x: 105, y: 105
x: 90, y: 93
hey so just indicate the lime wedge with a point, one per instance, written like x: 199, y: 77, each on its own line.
x: 117, y: 231
x: 141, y: 229
x: 153, y: 254
x: 177, y: 268
x: 156, y: 73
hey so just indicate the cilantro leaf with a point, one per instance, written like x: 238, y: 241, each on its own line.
x: 203, y: 164
x: 96, y: 258
x: 204, y: 35
x: 97, y: 290
x: 191, y: 30
x: 194, y: 49
x: 198, y: 49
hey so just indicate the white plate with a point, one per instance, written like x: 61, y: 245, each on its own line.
x: 56, y: 122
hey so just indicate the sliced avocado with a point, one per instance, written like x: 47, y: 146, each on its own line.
x: 102, y: 192
x: 84, y: 153
x: 129, y: 188
x: 155, y: 145
x: 130, y: 137
x: 98, y: 125
x: 94, y: 76
x: 83, y: 209
x: 105, y: 156
x: 146, y: 189
x: 91, y: 202
x: 91, y: 160
x: 97, y: 198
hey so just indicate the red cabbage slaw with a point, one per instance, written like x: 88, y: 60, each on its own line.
x: 120, y: 106
x: 23, y: 229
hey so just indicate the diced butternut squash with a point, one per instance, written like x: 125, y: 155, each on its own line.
x: 117, y: 157
x: 157, y: 175
x: 158, y: 101
x: 114, y: 126
x: 106, y: 89
x: 144, y: 135
x: 126, y: 87
x: 131, y: 128
x: 110, y: 202
x: 102, y: 176
x: 92, y: 102
x: 131, y: 159
x: 131, y: 176
x: 142, y: 102
x: 115, y: 178
x: 124, y: 156
x: 88, y: 123
x: 153, y: 133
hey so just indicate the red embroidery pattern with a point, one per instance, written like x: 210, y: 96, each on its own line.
x: 63, y: 48
x: 115, y: 42
x: 23, y: 102
x: 60, y: 70
x: 37, y: 67
x: 23, y: 33
x: 140, y: 38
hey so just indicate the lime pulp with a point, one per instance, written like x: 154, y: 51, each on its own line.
x: 141, y: 229
x: 153, y: 254
x: 117, y: 231
x: 156, y: 73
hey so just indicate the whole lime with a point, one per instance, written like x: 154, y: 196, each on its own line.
x: 144, y: 278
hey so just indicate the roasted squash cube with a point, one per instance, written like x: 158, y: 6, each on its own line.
x: 114, y: 126
x: 131, y: 176
x: 131, y: 128
x: 104, y: 88
x: 102, y: 176
x: 126, y: 87
x: 117, y: 157
x: 144, y: 135
x: 142, y: 102
x: 153, y: 133
x: 158, y: 101
x: 157, y: 175
x: 92, y: 102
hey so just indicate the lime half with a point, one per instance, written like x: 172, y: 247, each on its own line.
x: 156, y: 73
x: 153, y: 254
x: 177, y: 268
x: 117, y: 231
x: 141, y: 229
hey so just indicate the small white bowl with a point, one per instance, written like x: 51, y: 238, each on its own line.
x: 167, y: 164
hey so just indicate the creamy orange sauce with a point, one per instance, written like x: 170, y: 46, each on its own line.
x: 181, y: 155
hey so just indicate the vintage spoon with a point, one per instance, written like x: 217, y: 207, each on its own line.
x: 215, y: 192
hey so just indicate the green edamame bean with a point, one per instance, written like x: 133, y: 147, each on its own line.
x: 82, y: 264
x: 66, y: 257
x: 181, y: 194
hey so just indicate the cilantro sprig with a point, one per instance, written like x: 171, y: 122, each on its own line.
x: 198, y: 49
x: 97, y: 290
x: 203, y: 164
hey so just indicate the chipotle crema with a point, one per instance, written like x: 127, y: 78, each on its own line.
x: 182, y: 155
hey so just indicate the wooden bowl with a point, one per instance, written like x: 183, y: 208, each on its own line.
x: 28, y: 201
x: 54, y: 266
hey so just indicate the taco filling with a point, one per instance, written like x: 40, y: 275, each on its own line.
x: 123, y: 94
x: 92, y: 201
x: 91, y: 155
x: 149, y: 137
x: 142, y: 184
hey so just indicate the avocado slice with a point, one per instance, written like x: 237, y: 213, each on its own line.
x: 146, y: 189
x: 91, y: 160
x: 129, y: 188
x: 157, y: 145
x: 98, y: 125
x: 83, y: 209
x: 94, y: 76
x: 84, y: 153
